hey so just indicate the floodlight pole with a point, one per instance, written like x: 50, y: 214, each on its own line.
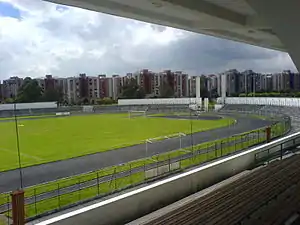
x: 180, y: 141
x: 146, y: 148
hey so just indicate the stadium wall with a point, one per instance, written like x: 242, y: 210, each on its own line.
x: 35, y: 105
x: 142, y: 201
x: 291, y: 102
x: 159, y: 101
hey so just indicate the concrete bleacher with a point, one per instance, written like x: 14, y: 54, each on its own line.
x: 271, y: 110
x: 241, y: 107
x: 251, y: 199
x: 292, y: 112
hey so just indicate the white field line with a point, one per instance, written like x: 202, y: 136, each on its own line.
x: 23, y: 154
x: 161, y: 138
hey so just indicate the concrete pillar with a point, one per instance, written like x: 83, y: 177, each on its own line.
x: 283, y: 17
x: 223, y: 87
x: 198, y: 89
x: 206, y: 104
x: 18, y: 212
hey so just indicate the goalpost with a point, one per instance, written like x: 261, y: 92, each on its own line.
x: 134, y: 113
x: 88, y: 109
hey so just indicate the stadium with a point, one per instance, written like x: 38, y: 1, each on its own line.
x: 162, y: 161
x: 74, y: 155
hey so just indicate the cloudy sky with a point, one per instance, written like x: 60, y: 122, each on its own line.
x: 38, y: 38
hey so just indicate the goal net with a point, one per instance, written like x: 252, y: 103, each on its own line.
x: 133, y: 114
x: 88, y: 109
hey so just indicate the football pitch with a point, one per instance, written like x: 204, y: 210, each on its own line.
x: 51, y: 139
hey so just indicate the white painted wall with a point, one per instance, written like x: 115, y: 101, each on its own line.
x: 36, y: 105
x: 158, y: 101
x: 291, y: 102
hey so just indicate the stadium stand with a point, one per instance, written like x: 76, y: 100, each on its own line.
x: 292, y: 112
x: 251, y: 199
x: 242, y: 108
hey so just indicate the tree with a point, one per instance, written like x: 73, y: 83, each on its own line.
x: 166, y: 90
x: 54, y: 95
x: 51, y: 95
x: 30, y: 91
x: 131, y: 90
x: 8, y: 100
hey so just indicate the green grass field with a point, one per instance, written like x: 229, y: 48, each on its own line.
x: 136, y: 178
x: 120, y: 183
x: 51, y: 139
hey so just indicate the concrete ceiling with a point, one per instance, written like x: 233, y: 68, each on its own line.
x: 230, y: 19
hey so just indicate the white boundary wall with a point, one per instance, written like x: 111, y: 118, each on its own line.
x: 35, y: 105
x: 292, y: 102
x: 158, y: 101
x: 129, y: 206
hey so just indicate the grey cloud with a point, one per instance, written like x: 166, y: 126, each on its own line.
x: 206, y: 54
x: 196, y: 54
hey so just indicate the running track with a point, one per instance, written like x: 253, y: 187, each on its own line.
x: 9, y: 180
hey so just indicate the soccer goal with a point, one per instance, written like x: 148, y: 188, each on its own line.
x: 133, y: 114
x: 88, y: 109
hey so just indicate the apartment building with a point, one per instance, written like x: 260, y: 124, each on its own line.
x: 73, y: 91
x: 11, y: 86
x: 145, y: 79
x: 1, y: 92
x: 93, y: 88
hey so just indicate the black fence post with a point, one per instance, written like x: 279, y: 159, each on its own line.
x: 221, y: 148
x: 98, y: 187
x: 35, y: 207
x: 8, y: 201
x: 242, y: 141
x: 235, y: 140
x: 79, y: 189
x: 58, y: 195
x: 115, y: 177
x: 216, y: 149
x: 130, y: 173
x: 206, y: 154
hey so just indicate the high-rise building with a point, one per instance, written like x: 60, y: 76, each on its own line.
x: 11, y: 87
x: 73, y: 92
x: 192, y: 86
x: 116, y: 86
x: 1, y: 92
x: 62, y: 84
x: 233, y: 82
x: 145, y: 79
x: 93, y: 88
x: 180, y: 84
x: 84, y: 87
x: 106, y: 86
x: 266, y: 82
